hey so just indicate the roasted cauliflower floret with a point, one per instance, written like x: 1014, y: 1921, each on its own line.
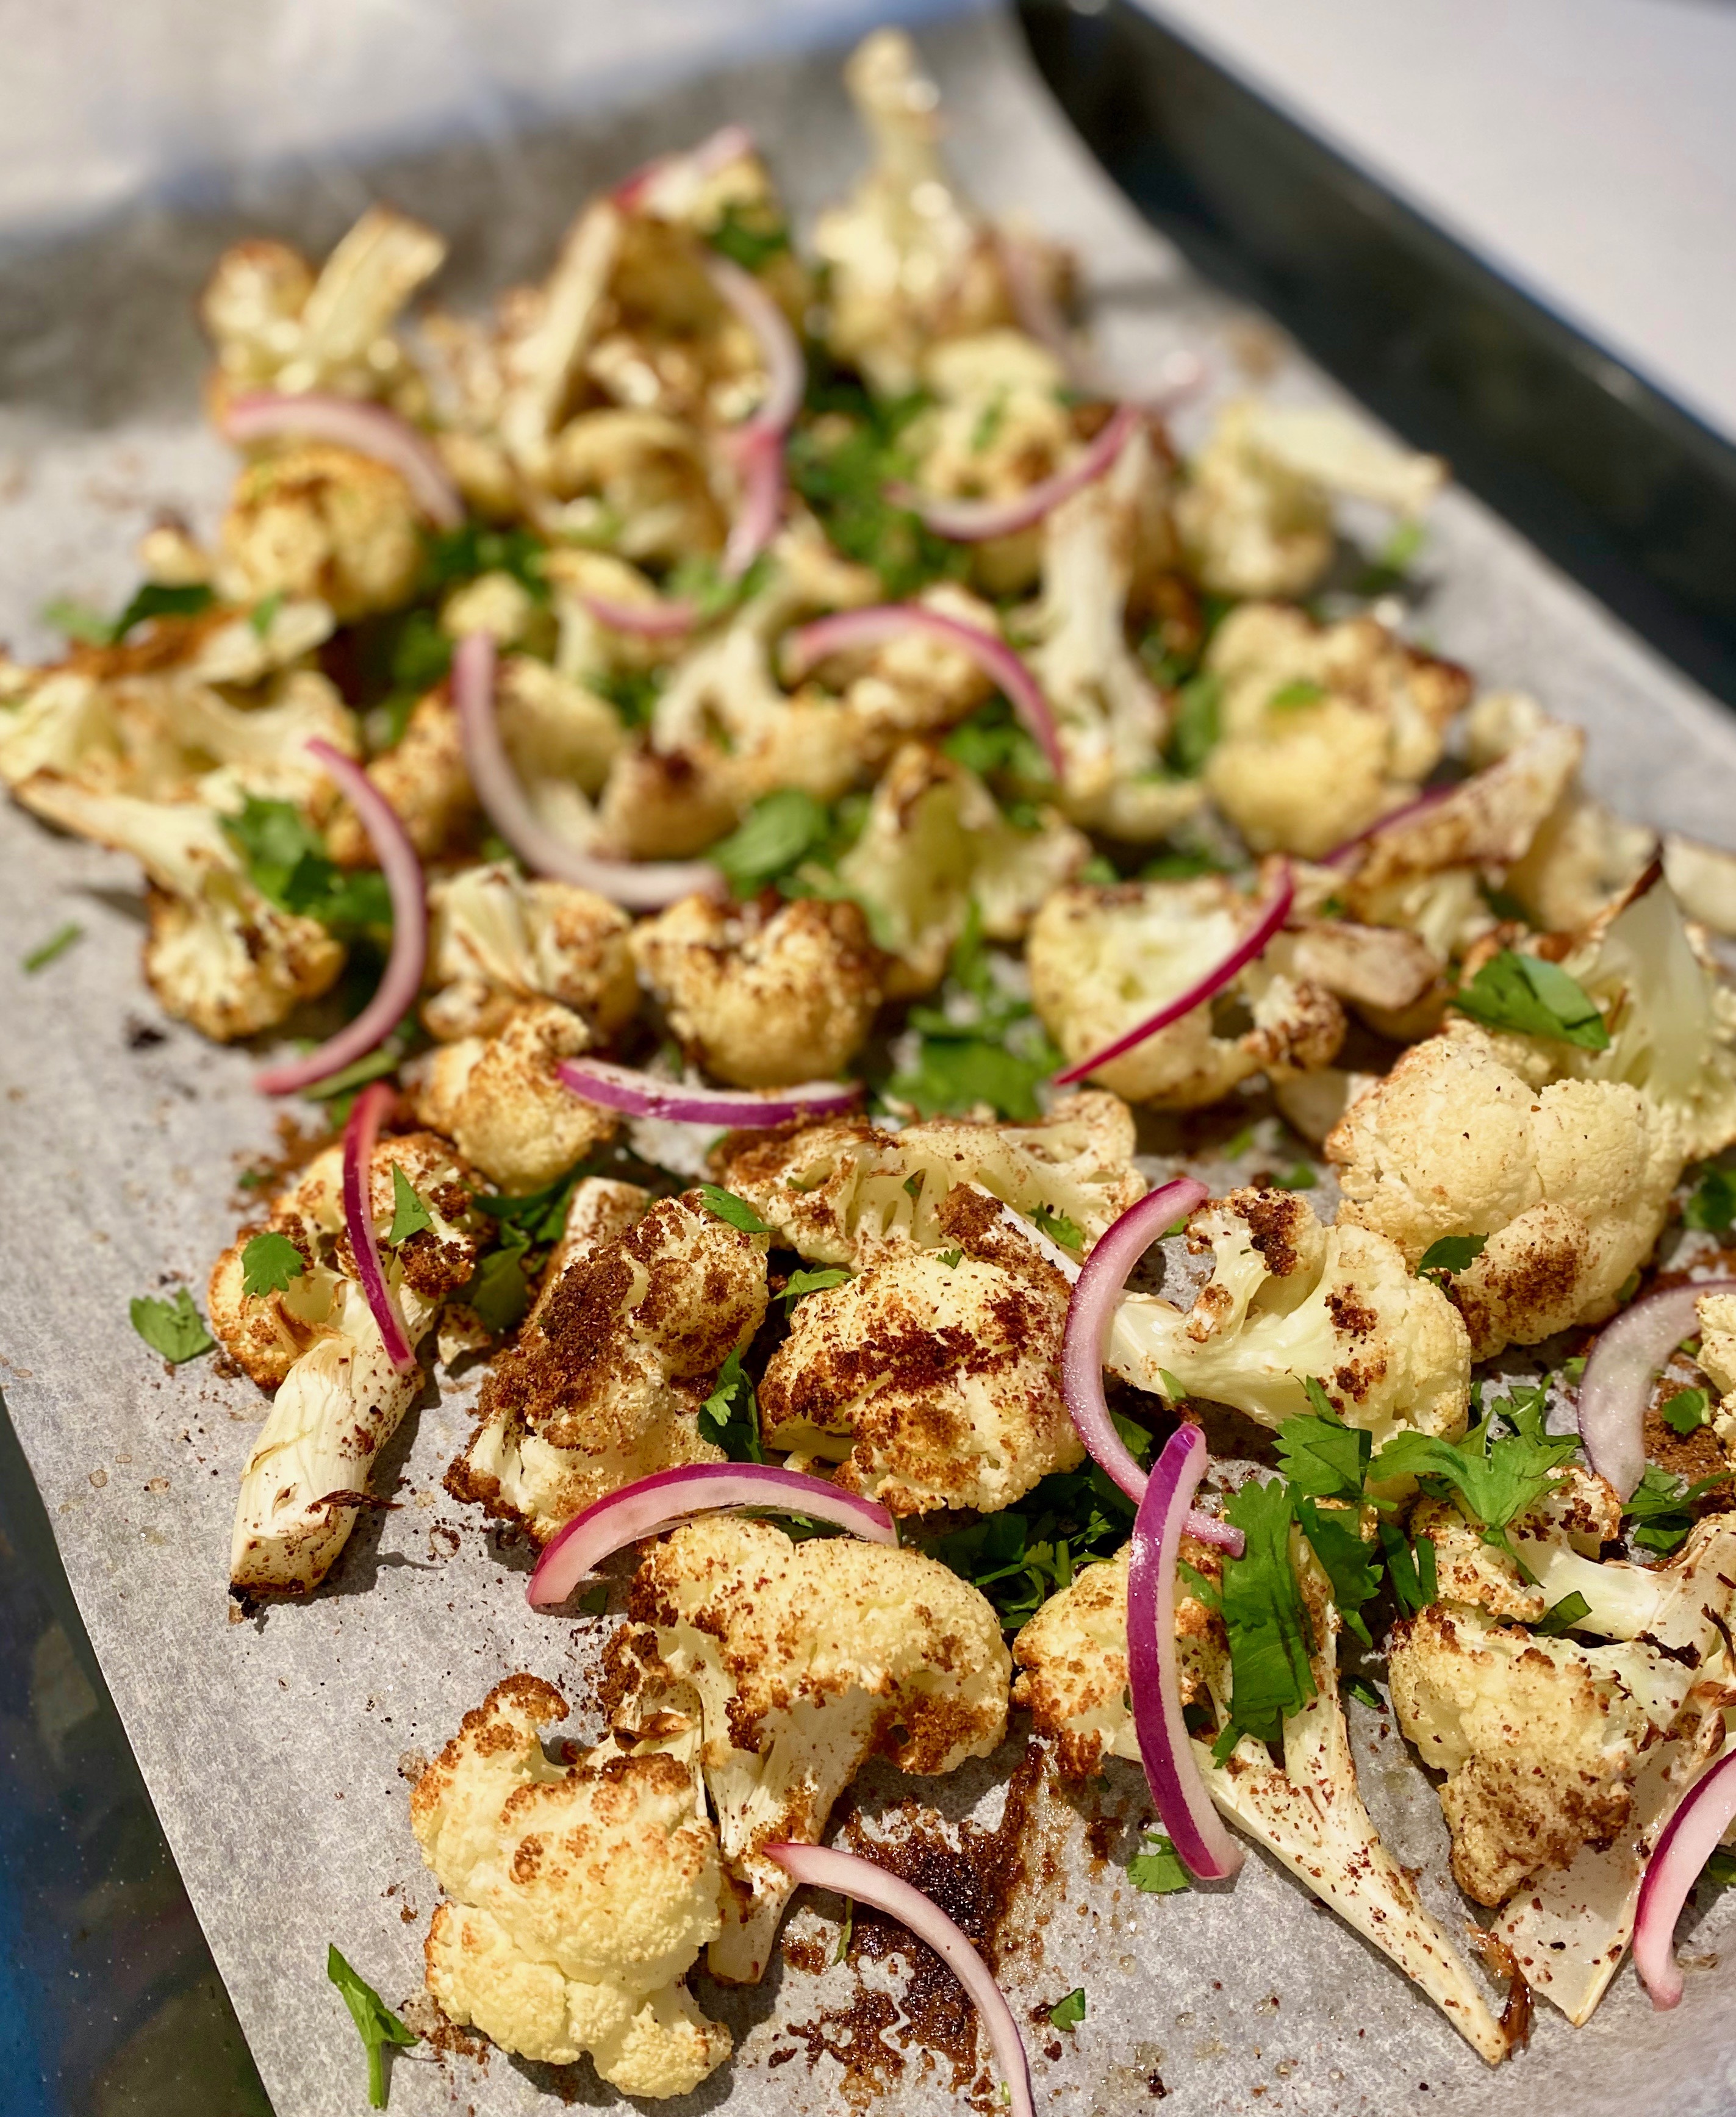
x: 841, y: 1192
x: 315, y: 519
x: 934, y: 1378
x: 1104, y: 957
x: 763, y: 994
x: 1325, y: 728
x: 501, y: 1099
x: 423, y: 776
x: 1256, y: 515
x: 606, y: 1383
x: 1289, y: 1300
x: 218, y: 955
x: 498, y: 940
x: 1569, y: 1183
x: 804, y: 1660
x: 579, y: 1896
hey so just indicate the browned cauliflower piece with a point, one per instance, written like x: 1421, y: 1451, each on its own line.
x: 933, y: 1379
x: 315, y: 519
x: 607, y: 1380
x: 766, y: 993
x: 423, y: 776
x: 498, y: 940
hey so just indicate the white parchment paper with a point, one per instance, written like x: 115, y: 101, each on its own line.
x: 273, y: 1747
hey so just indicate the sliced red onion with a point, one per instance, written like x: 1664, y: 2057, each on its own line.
x: 409, y: 952
x: 658, y: 1502
x: 645, y: 886
x: 1184, y: 1806
x: 370, y: 1109
x: 1616, y: 1386
x: 975, y: 521
x: 1691, y: 1835
x: 729, y: 143
x: 1430, y: 799
x: 1271, y: 919
x: 847, y: 1874
x: 759, y: 460
x: 879, y: 622
x: 645, y: 620
x: 744, y: 1109
x: 1090, y: 1315
x: 370, y: 429
x: 786, y: 371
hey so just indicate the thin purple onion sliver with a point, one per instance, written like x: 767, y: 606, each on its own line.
x: 1185, y: 1805
x: 369, y: 1110
x: 351, y: 423
x: 661, y: 619
x: 976, y: 521
x: 1691, y: 1836
x: 1432, y: 798
x: 639, y: 1095
x: 666, y: 1497
x: 1616, y: 1386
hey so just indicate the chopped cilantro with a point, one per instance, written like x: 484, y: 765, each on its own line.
x: 1686, y: 1411
x: 633, y: 692
x: 1536, y: 998
x: 1492, y: 1475
x: 1410, y: 1569
x: 1451, y: 1254
x: 730, y: 1416
x: 725, y: 1206
x: 1563, y: 1616
x: 1068, y: 2014
x: 952, y: 1259
x: 372, y: 1066
x: 982, y: 1044
x: 699, y: 580
x: 375, y: 2024
x: 1288, y: 697
x: 846, y: 1930
x: 421, y: 654
x: 841, y: 463
x: 1264, y: 1616
x: 410, y: 1217
x: 1359, y: 1688
x: 1198, y: 725
x: 1391, y: 565
x: 1712, y: 1206
x: 540, y: 1215
x: 1346, y: 1558
x: 1058, y: 1228
x: 288, y: 864
x: 77, y: 620
x: 1174, y: 1389
x: 750, y: 234
x: 263, y: 616
x: 1157, y: 1869
x: 1299, y: 1177
x: 776, y: 835
x: 500, y: 1292
x: 157, y: 599
x: 1322, y: 1456
x: 175, y: 1328
x: 803, y: 1282
x: 482, y: 548
x: 57, y: 944
x: 1719, y: 1869
x: 994, y: 740
x: 594, y: 1602
x: 269, y: 1262
x: 988, y: 423
x: 1660, y: 1509
x: 1181, y: 864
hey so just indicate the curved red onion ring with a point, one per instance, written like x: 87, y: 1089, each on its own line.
x: 369, y: 429
x: 758, y: 453
x: 404, y: 966
x: 1276, y: 911
x: 659, y: 1501
x: 717, y: 151
x: 975, y: 521
x: 1690, y: 1838
x: 1616, y: 1386
x: 886, y: 621
x: 644, y: 620
x: 645, y: 1095
x: 360, y: 1133
x: 786, y: 371
x: 847, y: 1874
x: 1090, y: 1314
x: 1184, y: 1805
x: 645, y: 886
x: 1430, y: 799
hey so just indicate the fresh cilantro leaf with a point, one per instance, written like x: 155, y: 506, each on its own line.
x: 1197, y: 1585
x: 750, y: 234
x: 725, y: 1206
x: 57, y: 944
x: 263, y: 616
x: 1410, y: 1569
x: 1563, y: 1616
x: 1198, y: 725
x: 175, y: 1328
x: 594, y: 1602
x: 540, y: 1215
x: 269, y: 1262
x: 1233, y: 1149
x: 1173, y: 1387
x: 951, y: 1076
x: 421, y: 654
x: 1288, y: 697
x: 1493, y: 1477
x: 778, y: 834
x: 989, y: 422
x: 633, y: 692
x: 157, y: 599
x: 1264, y: 1616
x: 1686, y: 1411
x: 482, y: 548
x: 1300, y: 1177
x: 1157, y: 1869
x: 288, y: 864
x: 1536, y: 998
x: 77, y: 620
x: 373, y: 1066
x: 952, y: 1259
x: 1719, y: 1869
x: 1392, y: 562
x: 994, y: 741
x: 1058, y: 1228
x: 500, y: 1292
x: 699, y: 580
x: 1321, y: 1455
x: 1359, y: 1688
x: 1068, y: 2014
x: 410, y: 1217
x: 1660, y: 1508
x: 1451, y: 1254
x: 730, y: 1416
x: 1712, y: 1206
x: 375, y: 2024
x: 803, y: 1282
x: 1181, y: 864
x: 842, y: 463
x: 1345, y: 1558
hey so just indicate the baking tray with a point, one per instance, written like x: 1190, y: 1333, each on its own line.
x: 276, y: 1747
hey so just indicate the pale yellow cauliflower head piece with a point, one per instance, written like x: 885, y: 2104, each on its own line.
x: 763, y: 994
x: 579, y: 1896
x: 805, y: 1660
x: 315, y: 519
x: 497, y: 938
x: 423, y: 776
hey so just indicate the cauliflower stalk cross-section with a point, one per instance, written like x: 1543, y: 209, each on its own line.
x: 579, y: 1896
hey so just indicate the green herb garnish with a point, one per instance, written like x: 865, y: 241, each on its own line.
x: 1451, y: 1254
x: 375, y: 2024
x: 1068, y: 2014
x: 1157, y: 1869
x: 730, y: 1416
x: 410, y: 1217
x: 175, y: 1328
x: 1536, y: 998
x: 1686, y: 1412
x: 1198, y: 725
x: 269, y: 1262
x: 57, y: 944
x: 725, y: 1206
x: 288, y: 864
x: 1289, y: 698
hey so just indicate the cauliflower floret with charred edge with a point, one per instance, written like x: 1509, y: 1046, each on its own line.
x: 913, y: 684
x: 579, y: 1896
x: 1569, y: 1183
x: 607, y: 1381
x: 218, y: 955
x: 933, y: 1379
x: 501, y: 1099
x: 1104, y: 957
x: 1325, y: 728
x: 1289, y: 1300
x: 840, y: 1193
x: 803, y: 1661
x: 1310, y: 1816
x: 763, y: 994
x: 424, y: 778
x: 933, y: 843
x: 498, y: 940
x: 1255, y: 514
x: 339, y: 1398
x: 315, y: 519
